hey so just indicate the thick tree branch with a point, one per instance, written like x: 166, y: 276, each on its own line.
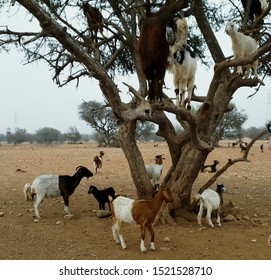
x: 229, y: 164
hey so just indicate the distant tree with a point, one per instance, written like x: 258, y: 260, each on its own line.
x: 2, y: 137
x: 253, y: 131
x: 18, y: 137
x: 145, y: 131
x: 100, y: 117
x: 48, y: 135
x: 73, y: 136
x: 230, y: 125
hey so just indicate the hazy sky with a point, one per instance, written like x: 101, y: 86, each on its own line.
x: 29, y: 99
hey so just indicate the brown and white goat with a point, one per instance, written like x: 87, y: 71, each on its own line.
x: 141, y: 212
x: 154, y: 170
x: 98, y: 161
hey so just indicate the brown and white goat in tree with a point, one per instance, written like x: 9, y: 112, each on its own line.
x: 141, y: 212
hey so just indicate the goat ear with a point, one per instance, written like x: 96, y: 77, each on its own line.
x: 180, y: 15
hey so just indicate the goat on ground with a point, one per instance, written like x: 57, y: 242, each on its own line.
x: 211, y: 168
x: 257, y: 7
x: 154, y: 170
x: 102, y: 196
x: 243, y: 46
x: 141, y: 212
x: 58, y: 185
x: 183, y: 65
x: 212, y: 201
x: 98, y: 161
x: 242, y: 147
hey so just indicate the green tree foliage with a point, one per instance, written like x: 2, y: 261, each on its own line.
x: 230, y: 125
x: 18, y: 137
x: 72, y: 135
x: 48, y: 135
x: 252, y: 132
x: 100, y: 117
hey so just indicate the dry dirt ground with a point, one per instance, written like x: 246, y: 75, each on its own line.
x: 87, y: 237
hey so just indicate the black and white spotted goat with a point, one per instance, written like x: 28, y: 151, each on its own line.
x: 183, y: 65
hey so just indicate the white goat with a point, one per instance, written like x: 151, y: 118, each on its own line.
x: 154, y: 170
x: 141, y: 212
x: 183, y: 65
x: 212, y: 201
x: 243, y: 46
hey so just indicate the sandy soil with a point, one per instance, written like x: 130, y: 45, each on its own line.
x: 87, y: 237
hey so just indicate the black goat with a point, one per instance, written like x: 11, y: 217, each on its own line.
x: 257, y: 7
x: 102, y: 196
x: 243, y: 148
x: 210, y: 168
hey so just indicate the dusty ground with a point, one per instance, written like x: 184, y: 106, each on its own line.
x: 88, y: 237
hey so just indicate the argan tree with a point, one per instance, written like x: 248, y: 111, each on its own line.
x: 65, y: 43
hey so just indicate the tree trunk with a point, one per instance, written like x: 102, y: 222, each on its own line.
x: 185, y: 173
x: 135, y: 160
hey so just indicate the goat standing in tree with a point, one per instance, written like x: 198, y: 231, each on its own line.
x: 94, y: 19
x: 157, y: 33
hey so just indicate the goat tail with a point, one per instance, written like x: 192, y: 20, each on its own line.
x: 198, y: 197
x: 110, y: 198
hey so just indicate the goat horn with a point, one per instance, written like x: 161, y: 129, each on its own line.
x: 80, y: 166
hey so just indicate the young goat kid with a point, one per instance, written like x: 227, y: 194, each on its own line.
x: 212, y: 201
x: 98, y: 161
x: 183, y: 65
x: 154, y: 170
x: 141, y: 212
x: 57, y: 185
x: 102, y: 196
x: 243, y: 46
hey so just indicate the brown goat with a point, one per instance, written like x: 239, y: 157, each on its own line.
x: 141, y: 212
x: 94, y: 19
x: 156, y: 34
x: 98, y: 161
